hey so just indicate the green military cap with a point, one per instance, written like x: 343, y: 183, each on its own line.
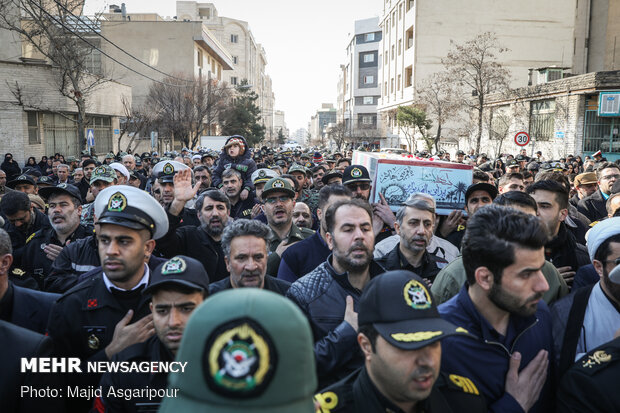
x: 244, y: 356
x: 278, y: 185
x: 103, y: 173
x: 71, y: 159
x: 297, y: 168
x: 110, y: 155
x: 124, y: 153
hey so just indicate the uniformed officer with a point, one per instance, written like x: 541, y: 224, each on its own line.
x: 107, y: 313
x: 399, y: 333
x: 177, y: 287
x: 278, y: 198
x: 102, y: 177
x: 42, y: 247
x: 164, y: 172
x: 591, y: 384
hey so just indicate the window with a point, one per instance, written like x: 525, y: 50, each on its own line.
x: 367, y: 120
x: 369, y: 100
x: 542, y: 119
x: 392, y: 85
x: 393, y: 18
x: 398, y: 82
x: 392, y: 54
x: 199, y: 57
x: 409, y: 4
x: 233, y: 80
x: 235, y: 59
x: 368, y: 79
x: 408, y: 76
x: 409, y: 38
x: 369, y: 57
x: 386, y: 57
x: 370, y: 37
x: 33, y: 128
x: 385, y: 89
x: 234, y: 38
x: 400, y: 11
x: 400, y: 46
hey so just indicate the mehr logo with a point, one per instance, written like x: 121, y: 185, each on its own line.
x: 175, y: 265
x: 417, y: 295
x: 168, y: 168
x: 278, y: 183
x: 239, y: 359
x: 117, y: 202
x: 356, y: 173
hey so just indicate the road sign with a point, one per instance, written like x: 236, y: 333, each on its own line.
x: 90, y: 137
x: 154, y: 136
x: 559, y: 134
x: 117, y: 132
x: 522, y: 138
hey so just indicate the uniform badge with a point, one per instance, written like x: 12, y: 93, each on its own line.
x: 278, y: 183
x: 239, y: 359
x: 175, y: 265
x: 18, y: 272
x: 356, y: 173
x: 417, y: 296
x: 117, y: 202
x: 168, y: 168
x: 327, y: 401
x: 598, y: 357
x: 261, y: 174
x: 63, y: 185
x: 22, y: 178
x: 94, y: 336
x: 92, y: 303
x: 308, y: 165
x: 99, y: 171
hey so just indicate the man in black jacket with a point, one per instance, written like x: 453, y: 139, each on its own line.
x: 328, y: 295
x: 245, y: 250
x: 200, y: 242
x: 23, y: 220
x: 562, y: 250
x: 177, y: 287
x: 593, y: 206
x: 24, y: 307
x: 414, y: 224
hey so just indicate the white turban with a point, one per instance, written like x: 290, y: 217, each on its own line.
x: 600, y: 233
x: 121, y: 168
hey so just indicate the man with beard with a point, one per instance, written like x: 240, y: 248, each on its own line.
x: 41, y: 250
x: 329, y: 294
x: 302, y: 217
x: 590, y: 317
x: 88, y: 166
x: 178, y: 286
x: 202, y: 174
x: 415, y: 222
x: 107, y: 312
x: 501, y: 304
x: 278, y: 197
x: 593, y: 206
x: 203, y: 242
x: 164, y: 172
x: 232, y: 185
x: 102, y: 177
x: 22, y: 221
x: 245, y: 248
x: 357, y: 179
x: 401, y: 371
x: 562, y: 250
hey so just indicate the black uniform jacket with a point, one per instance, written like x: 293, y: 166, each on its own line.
x: 273, y: 284
x: 357, y: 394
x: 112, y: 401
x: 31, y: 308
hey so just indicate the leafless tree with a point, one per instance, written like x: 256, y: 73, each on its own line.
x: 338, y: 134
x: 474, y: 66
x: 136, y: 123
x: 439, y: 97
x: 57, y: 33
x: 185, y: 110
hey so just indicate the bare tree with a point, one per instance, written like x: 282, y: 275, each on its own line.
x: 185, y: 110
x: 475, y: 68
x: 439, y: 97
x: 58, y: 34
x: 338, y: 133
x: 135, y: 123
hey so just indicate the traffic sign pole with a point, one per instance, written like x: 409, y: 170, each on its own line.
x: 522, y: 138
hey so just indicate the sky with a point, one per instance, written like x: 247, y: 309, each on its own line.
x: 305, y: 43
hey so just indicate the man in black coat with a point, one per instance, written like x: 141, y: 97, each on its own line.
x: 245, y: 248
x: 17, y: 342
x: 21, y: 306
x: 200, y: 242
x: 593, y: 206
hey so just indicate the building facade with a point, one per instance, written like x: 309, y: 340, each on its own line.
x: 571, y: 34
x: 359, y: 88
x: 249, y: 58
x: 319, y: 121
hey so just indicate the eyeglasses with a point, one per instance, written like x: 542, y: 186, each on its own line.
x: 274, y: 199
x: 363, y: 186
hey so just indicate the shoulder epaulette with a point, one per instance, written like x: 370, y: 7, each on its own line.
x: 596, y: 361
x: 327, y: 401
x: 463, y: 383
x: 30, y: 237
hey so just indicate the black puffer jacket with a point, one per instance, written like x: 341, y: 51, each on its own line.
x: 322, y: 295
x: 243, y: 163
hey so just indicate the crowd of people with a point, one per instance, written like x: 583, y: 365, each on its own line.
x: 285, y: 288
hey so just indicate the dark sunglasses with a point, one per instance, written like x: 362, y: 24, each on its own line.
x: 364, y: 186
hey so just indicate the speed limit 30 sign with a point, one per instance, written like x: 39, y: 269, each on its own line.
x: 522, y: 138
